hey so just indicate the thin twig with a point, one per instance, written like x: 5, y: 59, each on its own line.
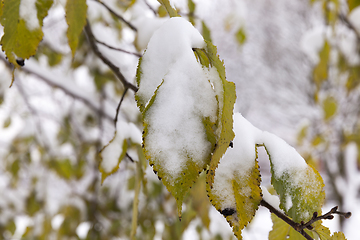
x: 59, y: 86
x: 117, y: 15
x: 343, y: 18
x: 117, y: 49
x: 150, y: 7
x: 118, y: 107
x: 115, y: 69
x: 129, y: 157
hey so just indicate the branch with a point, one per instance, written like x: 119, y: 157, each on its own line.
x: 115, y: 69
x: 117, y: 49
x: 29, y: 69
x: 343, y: 18
x: 118, y: 107
x: 150, y: 7
x: 117, y: 15
x: 286, y: 219
x: 300, y: 227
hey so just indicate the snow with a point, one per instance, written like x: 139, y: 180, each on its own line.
x: 237, y: 162
x: 28, y: 12
x: 146, y: 26
x: 175, y: 130
x: 312, y: 42
x: 111, y: 153
x: 354, y: 18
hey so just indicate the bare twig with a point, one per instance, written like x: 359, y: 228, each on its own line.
x: 117, y: 15
x: 150, y: 7
x: 129, y: 157
x: 117, y: 49
x: 118, y: 107
x: 115, y: 69
x: 55, y: 85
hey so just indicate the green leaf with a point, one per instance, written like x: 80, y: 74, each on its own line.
x: 322, y: 232
x: 191, y: 6
x: 283, y: 231
x: 42, y: 7
x: 240, y: 36
x: 76, y: 20
x: 301, y: 192
x: 171, y: 11
x: 206, y: 32
x: 18, y: 40
x: 63, y: 168
x: 329, y: 107
x: 32, y: 204
x: 11, y: 226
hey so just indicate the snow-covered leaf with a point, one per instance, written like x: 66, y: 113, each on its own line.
x: 115, y: 151
x: 179, y: 103
x: 236, y: 191
x: 76, y: 20
x: 22, y: 33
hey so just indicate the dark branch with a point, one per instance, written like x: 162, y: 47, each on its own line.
x: 118, y: 107
x: 115, y: 69
x: 117, y: 15
x: 117, y: 49
x: 150, y: 7
x: 130, y: 158
x: 286, y: 219
x: 300, y: 227
x: 345, y: 20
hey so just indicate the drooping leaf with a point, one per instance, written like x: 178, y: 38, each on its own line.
x: 42, y: 7
x: 283, y: 231
x: 301, y: 192
x: 179, y: 104
x: 112, y: 154
x: 191, y: 6
x: 206, y: 32
x: 226, y: 98
x: 18, y: 41
x: 236, y: 191
x: 76, y: 20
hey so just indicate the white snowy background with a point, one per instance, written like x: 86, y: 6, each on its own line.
x: 271, y: 71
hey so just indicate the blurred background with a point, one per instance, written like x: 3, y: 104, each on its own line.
x: 296, y: 66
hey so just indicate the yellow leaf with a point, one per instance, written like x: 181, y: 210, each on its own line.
x: 76, y: 20
x: 320, y: 72
x: 329, y: 107
x: 18, y: 40
x: 283, y: 231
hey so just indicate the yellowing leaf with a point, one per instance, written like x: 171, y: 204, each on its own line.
x: 206, y: 32
x: 180, y: 106
x: 338, y: 236
x: 114, y: 167
x: 301, y: 193
x: 329, y: 107
x: 42, y: 7
x: 226, y: 104
x: 18, y: 40
x: 283, y: 231
x: 320, y: 72
x: 76, y: 20
x: 322, y: 232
